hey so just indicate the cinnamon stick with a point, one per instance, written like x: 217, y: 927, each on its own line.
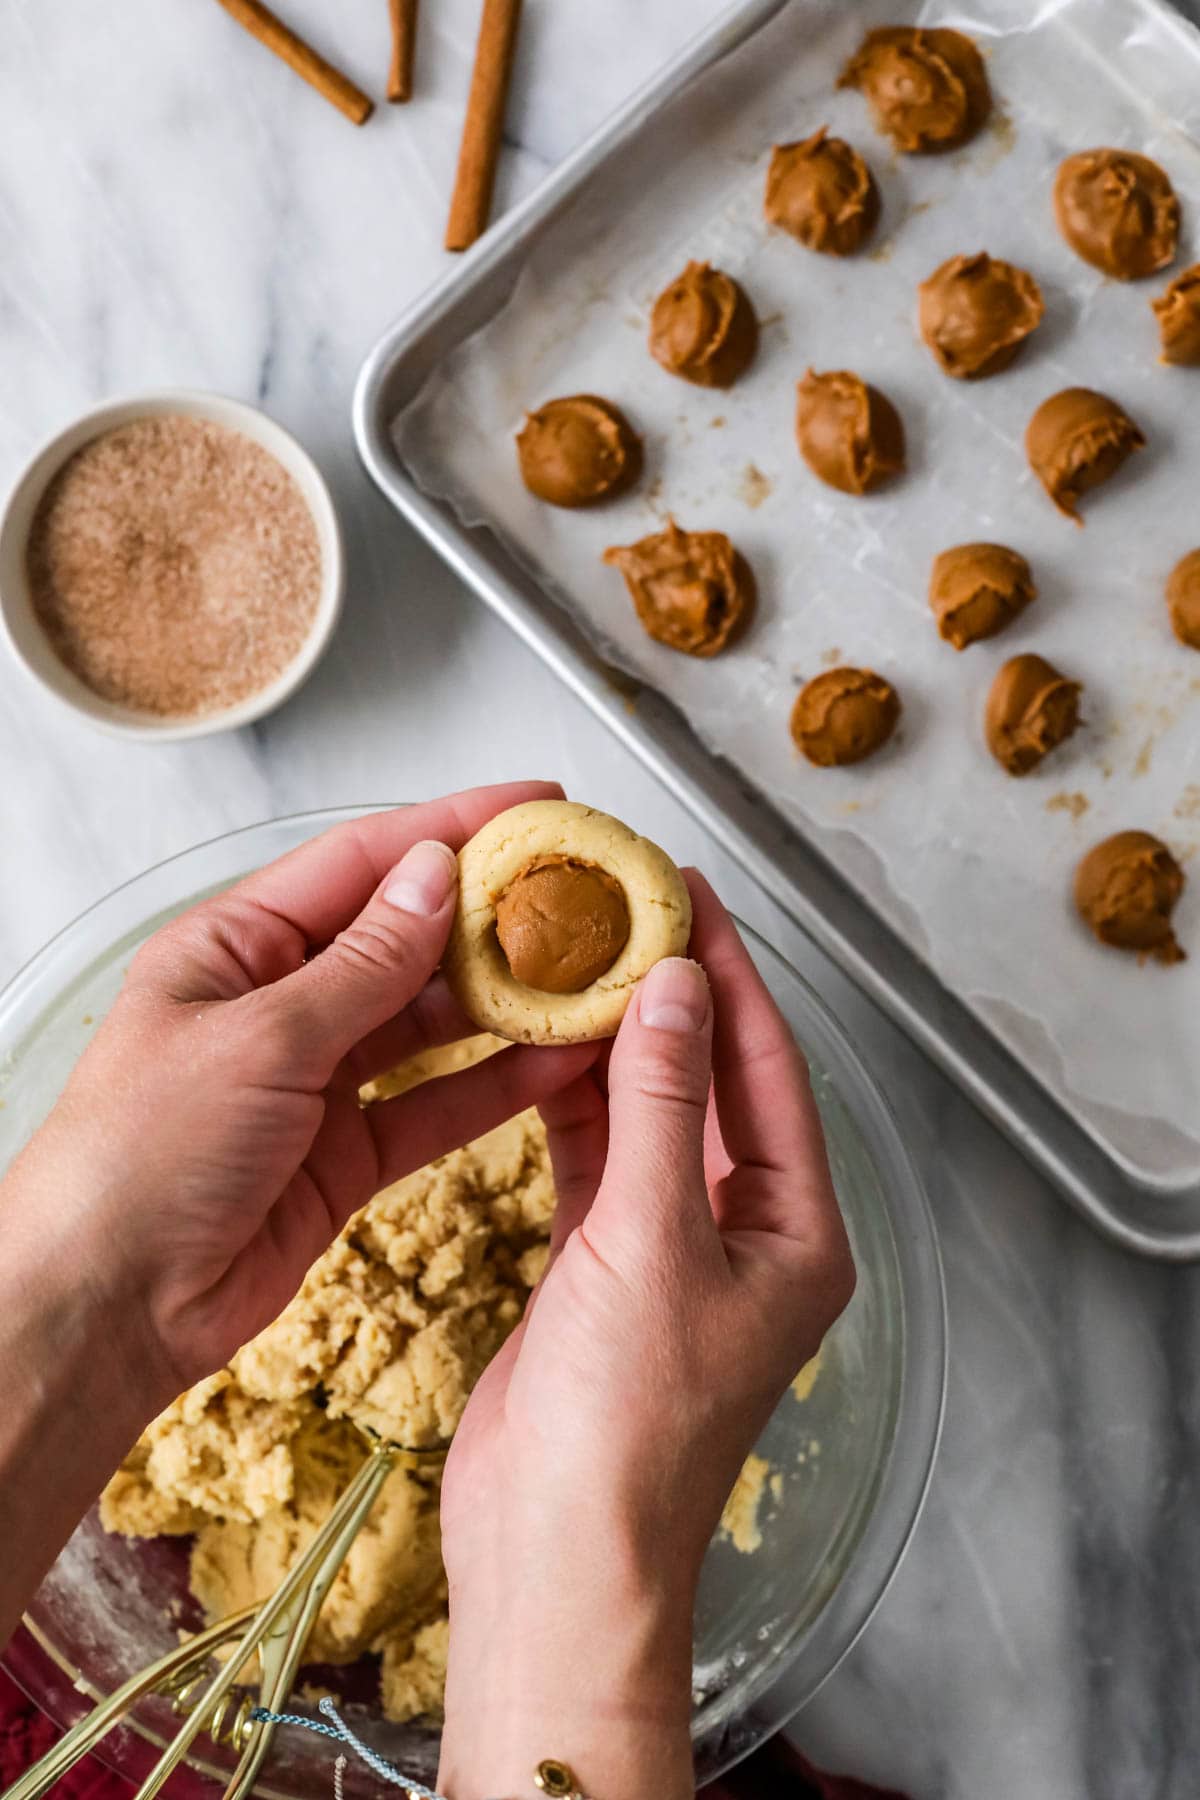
x: 483, y: 128
x: 404, y: 43
x: 329, y: 82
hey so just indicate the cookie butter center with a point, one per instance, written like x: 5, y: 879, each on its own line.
x: 561, y: 924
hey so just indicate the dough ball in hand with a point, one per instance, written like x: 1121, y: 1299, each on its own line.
x: 976, y: 590
x: 1118, y: 211
x: 1031, y: 710
x: 822, y: 192
x: 850, y: 435
x: 703, y: 327
x: 1075, y: 441
x: 927, y: 89
x: 1126, y: 889
x: 843, y: 716
x: 692, y: 590
x: 975, y: 312
x: 578, y: 450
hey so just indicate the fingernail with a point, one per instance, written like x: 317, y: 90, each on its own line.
x: 422, y: 879
x: 674, y: 996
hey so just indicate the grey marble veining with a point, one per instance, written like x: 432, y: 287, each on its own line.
x: 176, y: 209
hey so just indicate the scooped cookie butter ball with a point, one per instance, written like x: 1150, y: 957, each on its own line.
x: 692, y: 590
x: 1031, y: 710
x: 1126, y: 889
x: 975, y: 590
x: 1178, y: 313
x: 844, y: 715
x: 578, y: 450
x: 975, y: 312
x: 1118, y: 211
x: 927, y: 90
x: 1077, y: 439
x: 1183, y: 599
x: 561, y: 911
x: 703, y: 327
x: 849, y: 434
x: 561, y: 924
x: 822, y: 192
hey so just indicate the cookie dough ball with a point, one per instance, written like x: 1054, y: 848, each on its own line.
x: 561, y: 911
x: 1031, y: 710
x: 578, y: 450
x: 692, y: 589
x: 1178, y: 314
x: 975, y: 590
x: 1126, y: 889
x: 843, y: 716
x: 1183, y: 599
x: 1118, y: 211
x: 850, y: 434
x: 703, y: 327
x: 1075, y: 440
x: 975, y: 312
x: 823, y: 193
x: 927, y: 90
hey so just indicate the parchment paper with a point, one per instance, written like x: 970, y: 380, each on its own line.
x: 972, y: 867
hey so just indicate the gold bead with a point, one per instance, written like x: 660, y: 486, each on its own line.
x: 554, y: 1778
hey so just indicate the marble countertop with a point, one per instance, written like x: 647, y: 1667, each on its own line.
x: 178, y: 210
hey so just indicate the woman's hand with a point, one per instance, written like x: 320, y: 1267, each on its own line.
x: 210, y: 1143
x: 698, y: 1259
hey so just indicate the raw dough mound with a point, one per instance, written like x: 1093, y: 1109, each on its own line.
x: 507, y: 848
x: 843, y: 716
x: 703, y: 327
x: 1077, y: 439
x: 975, y: 313
x: 691, y: 589
x: 927, y: 90
x: 975, y: 590
x: 850, y: 434
x: 1183, y: 599
x: 1031, y: 709
x: 1118, y: 211
x: 1126, y: 889
x: 1178, y: 313
x: 823, y: 193
x: 578, y: 450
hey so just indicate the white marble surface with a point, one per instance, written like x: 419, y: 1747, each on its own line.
x: 177, y: 209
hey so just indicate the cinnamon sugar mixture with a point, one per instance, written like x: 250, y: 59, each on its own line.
x: 174, y: 565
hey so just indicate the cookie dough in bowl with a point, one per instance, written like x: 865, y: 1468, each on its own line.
x: 561, y: 911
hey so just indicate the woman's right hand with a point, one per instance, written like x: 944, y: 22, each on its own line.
x: 697, y: 1261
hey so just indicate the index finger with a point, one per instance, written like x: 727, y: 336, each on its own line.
x: 768, y: 1118
x: 319, y: 888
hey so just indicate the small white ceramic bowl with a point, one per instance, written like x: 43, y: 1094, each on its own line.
x: 28, y: 640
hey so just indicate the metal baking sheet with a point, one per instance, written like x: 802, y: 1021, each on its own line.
x: 1154, y: 1221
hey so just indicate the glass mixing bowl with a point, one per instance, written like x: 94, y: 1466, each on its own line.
x: 853, y: 1459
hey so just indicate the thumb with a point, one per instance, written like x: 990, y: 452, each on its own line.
x: 658, y: 1083
x: 372, y: 970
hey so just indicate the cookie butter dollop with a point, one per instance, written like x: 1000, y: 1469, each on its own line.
x: 691, y: 589
x: 578, y: 449
x: 975, y: 590
x: 1178, y: 313
x: 703, y: 327
x: 822, y: 192
x: 975, y: 312
x: 1183, y: 599
x: 843, y: 716
x: 1075, y: 440
x: 1126, y: 889
x: 1031, y: 709
x: 1118, y: 211
x: 562, y: 924
x: 927, y: 90
x: 849, y: 433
